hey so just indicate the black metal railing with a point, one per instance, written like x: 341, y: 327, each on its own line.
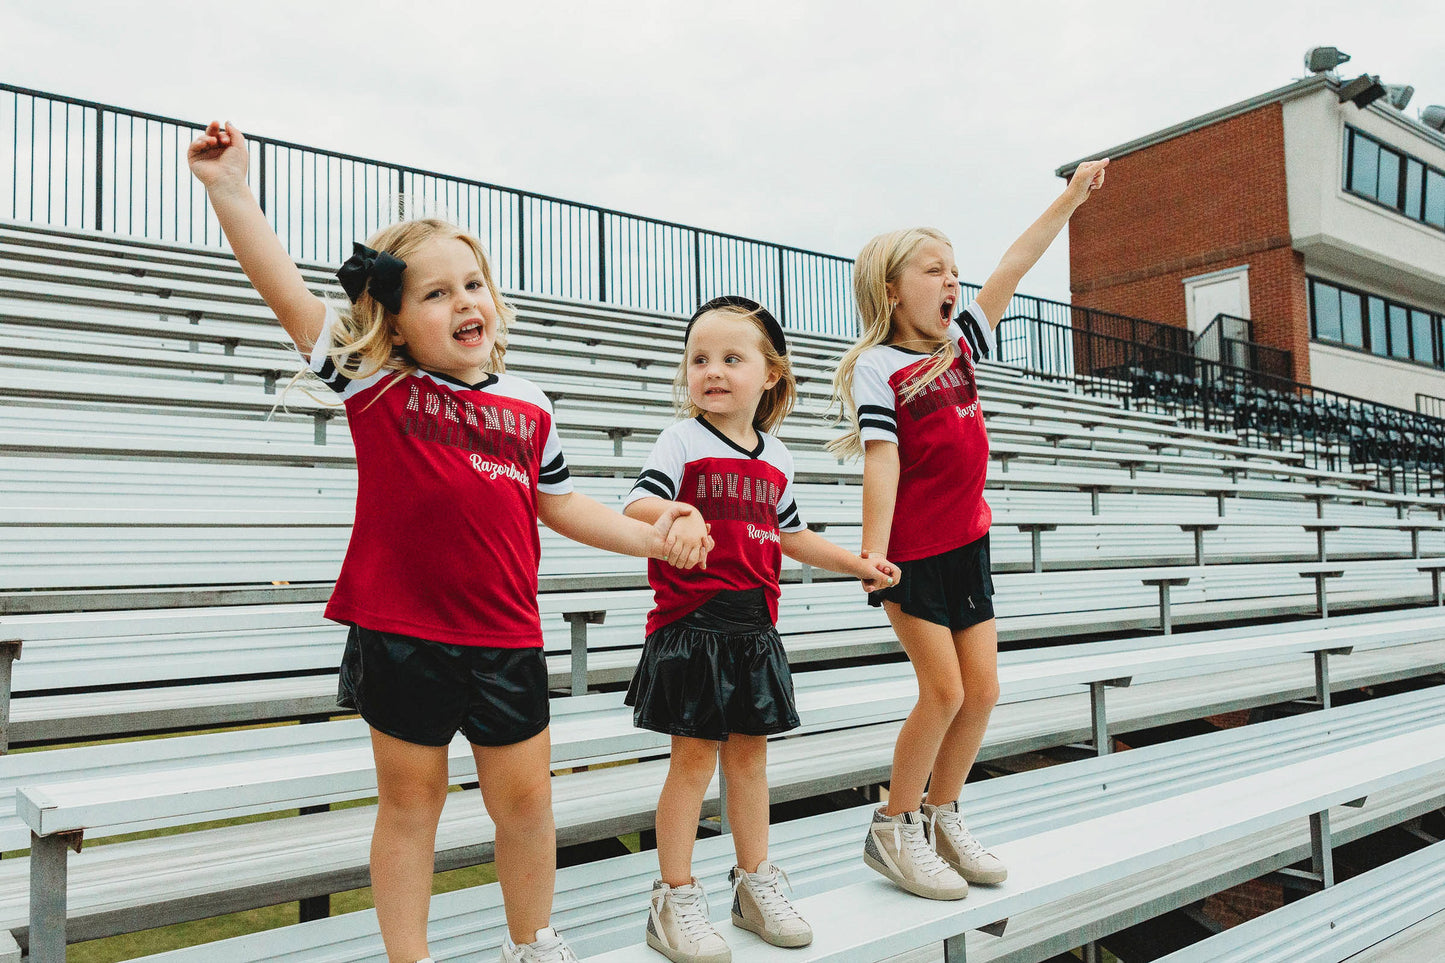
x: 1405, y: 450
x: 1230, y: 340
x: 80, y: 164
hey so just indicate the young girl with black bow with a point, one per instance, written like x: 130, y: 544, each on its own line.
x: 456, y: 462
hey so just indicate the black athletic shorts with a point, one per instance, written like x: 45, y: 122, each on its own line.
x: 953, y: 589
x: 424, y: 692
x: 719, y: 669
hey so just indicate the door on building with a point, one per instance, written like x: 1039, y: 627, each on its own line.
x: 1209, y: 295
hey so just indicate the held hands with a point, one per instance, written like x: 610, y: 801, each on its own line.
x: 218, y: 156
x: 682, y: 537
x: 878, y: 573
x: 1088, y: 177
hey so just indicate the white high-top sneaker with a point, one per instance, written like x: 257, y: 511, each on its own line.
x: 546, y: 947
x: 760, y: 906
x: 898, y: 848
x: 678, y: 926
x: 958, y: 847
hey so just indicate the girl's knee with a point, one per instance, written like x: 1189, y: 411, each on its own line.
x: 745, y: 757
x: 941, y: 698
x: 411, y: 800
x: 693, y: 761
x: 982, y: 695
x: 523, y: 798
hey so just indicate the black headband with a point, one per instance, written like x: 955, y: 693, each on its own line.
x: 770, y: 323
x: 373, y: 271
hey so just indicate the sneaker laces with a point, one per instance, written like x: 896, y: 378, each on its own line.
x: 694, y: 916
x: 920, y: 853
x: 548, y: 949
x: 769, y: 894
x: 957, y: 831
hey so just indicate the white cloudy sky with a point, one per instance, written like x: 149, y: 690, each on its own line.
x: 806, y: 122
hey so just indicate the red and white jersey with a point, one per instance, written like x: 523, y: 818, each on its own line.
x: 747, y: 498
x: 942, y: 443
x: 445, y: 543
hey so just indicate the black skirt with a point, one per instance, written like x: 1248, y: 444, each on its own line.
x: 953, y: 589
x: 719, y: 669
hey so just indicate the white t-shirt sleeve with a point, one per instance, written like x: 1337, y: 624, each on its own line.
x: 662, y: 472
x: 973, y: 329
x: 876, y: 402
x: 788, y: 518
x: 324, y: 365
x: 553, y: 478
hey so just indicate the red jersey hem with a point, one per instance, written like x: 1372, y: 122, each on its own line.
x: 929, y: 551
x: 431, y: 633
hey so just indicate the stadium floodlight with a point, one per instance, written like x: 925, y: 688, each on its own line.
x: 1399, y: 95
x: 1363, y: 91
x: 1433, y: 116
x: 1319, y: 60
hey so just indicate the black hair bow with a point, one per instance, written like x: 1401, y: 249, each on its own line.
x: 376, y: 271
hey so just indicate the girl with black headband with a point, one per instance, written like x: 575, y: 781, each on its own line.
x: 713, y: 672
x: 456, y: 461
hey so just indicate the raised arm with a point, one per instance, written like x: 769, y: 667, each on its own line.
x: 218, y: 159
x: 1024, y: 253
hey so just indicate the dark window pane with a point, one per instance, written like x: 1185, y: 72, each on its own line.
x: 1414, y: 187
x: 1352, y: 324
x: 1365, y: 167
x: 1389, y: 190
x: 1327, y: 311
x: 1435, y: 198
x: 1399, y: 332
x: 1423, y: 331
x: 1379, y: 339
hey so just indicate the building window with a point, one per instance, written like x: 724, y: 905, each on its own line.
x: 1355, y: 319
x: 1404, y: 184
x: 1435, y: 198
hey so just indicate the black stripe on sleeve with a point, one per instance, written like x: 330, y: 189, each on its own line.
x: 661, y: 480
x: 788, y: 517
x: 977, y: 340
x: 553, y: 477
x: 334, y: 379
x: 887, y: 426
x: 652, y: 487
x: 878, y: 410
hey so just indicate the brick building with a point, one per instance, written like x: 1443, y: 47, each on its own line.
x: 1320, y: 222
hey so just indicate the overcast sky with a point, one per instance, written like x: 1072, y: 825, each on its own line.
x: 805, y: 122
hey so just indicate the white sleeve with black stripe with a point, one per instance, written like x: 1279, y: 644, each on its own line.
x: 873, y: 395
x: 974, y: 329
x: 325, y: 368
x: 788, y: 518
x: 553, y: 478
x: 662, y: 472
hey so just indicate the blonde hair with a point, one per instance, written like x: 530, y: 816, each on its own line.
x: 362, y: 339
x: 879, y: 264
x: 776, y: 401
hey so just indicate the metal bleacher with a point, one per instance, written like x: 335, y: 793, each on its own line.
x: 173, y: 517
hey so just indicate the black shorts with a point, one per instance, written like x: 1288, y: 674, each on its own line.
x: 953, y: 589
x: 424, y: 692
x: 719, y: 669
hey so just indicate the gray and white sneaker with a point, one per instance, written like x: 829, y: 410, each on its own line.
x: 898, y: 848
x: 679, y: 928
x: 546, y: 947
x: 760, y: 906
x: 958, y: 847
